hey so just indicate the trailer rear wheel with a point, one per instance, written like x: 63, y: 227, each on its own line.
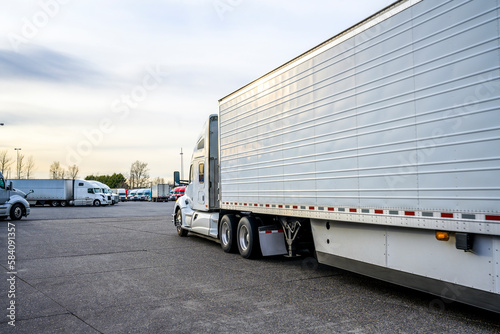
x: 248, y: 238
x: 178, y: 224
x: 16, y: 212
x: 64, y: 203
x: 227, y: 233
x: 54, y: 203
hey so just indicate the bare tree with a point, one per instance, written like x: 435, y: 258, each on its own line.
x: 21, y: 165
x: 5, y: 161
x: 73, y: 171
x: 56, y: 171
x: 139, y: 174
x: 158, y: 180
x: 29, y: 167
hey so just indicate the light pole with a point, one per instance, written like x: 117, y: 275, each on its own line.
x: 182, y: 165
x: 17, y: 149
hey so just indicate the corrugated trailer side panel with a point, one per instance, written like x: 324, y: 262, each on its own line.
x: 397, y: 116
x: 46, y: 189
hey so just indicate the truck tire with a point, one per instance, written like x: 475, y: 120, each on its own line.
x: 227, y: 233
x: 64, y: 203
x: 248, y: 238
x: 54, y: 204
x: 178, y: 224
x: 97, y: 202
x: 16, y: 212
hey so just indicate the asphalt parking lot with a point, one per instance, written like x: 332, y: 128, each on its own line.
x: 123, y: 269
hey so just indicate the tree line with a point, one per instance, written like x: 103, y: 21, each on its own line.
x: 138, y: 177
x: 25, y: 164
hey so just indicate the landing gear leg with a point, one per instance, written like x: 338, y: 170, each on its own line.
x: 291, y: 227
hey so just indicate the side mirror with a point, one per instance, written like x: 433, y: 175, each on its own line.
x: 29, y: 192
x: 9, y: 187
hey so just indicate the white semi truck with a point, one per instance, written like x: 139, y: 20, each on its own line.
x: 13, y: 202
x: 111, y: 197
x: 61, y: 192
x: 377, y: 150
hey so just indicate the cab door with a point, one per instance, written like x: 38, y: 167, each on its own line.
x: 200, y: 186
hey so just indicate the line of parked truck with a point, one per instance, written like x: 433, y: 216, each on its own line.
x: 64, y: 192
x: 16, y: 196
x: 157, y: 193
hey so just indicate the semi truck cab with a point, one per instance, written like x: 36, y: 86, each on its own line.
x: 197, y: 211
x: 13, y: 202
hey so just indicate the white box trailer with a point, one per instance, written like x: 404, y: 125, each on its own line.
x: 61, y: 192
x: 380, y: 145
x: 160, y: 192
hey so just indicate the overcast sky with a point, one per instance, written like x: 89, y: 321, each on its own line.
x: 104, y: 83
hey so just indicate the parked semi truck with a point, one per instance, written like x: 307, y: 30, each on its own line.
x: 13, y: 202
x: 377, y: 151
x: 111, y: 197
x: 61, y: 192
x: 160, y: 192
x: 122, y: 194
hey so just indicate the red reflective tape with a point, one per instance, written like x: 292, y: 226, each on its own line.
x: 331, y: 209
x: 379, y: 212
x: 409, y: 213
x: 280, y: 206
x: 267, y: 205
x: 491, y: 217
x: 353, y: 210
x: 446, y: 215
x: 245, y: 204
x: 311, y: 208
x: 255, y: 205
x: 295, y: 207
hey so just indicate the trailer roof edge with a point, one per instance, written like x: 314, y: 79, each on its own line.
x: 325, y: 43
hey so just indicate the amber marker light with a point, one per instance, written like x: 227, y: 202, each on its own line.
x: 443, y: 236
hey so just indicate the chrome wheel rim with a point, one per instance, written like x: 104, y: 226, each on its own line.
x: 178, y: 221
x: 18, y: 212
x: 244, y: 237
x: 225, y: 234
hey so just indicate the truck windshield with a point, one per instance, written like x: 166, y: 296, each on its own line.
x: 97, y: 191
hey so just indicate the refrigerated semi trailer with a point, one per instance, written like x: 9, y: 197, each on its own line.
x: 61, y: 192
x: 377, y: 151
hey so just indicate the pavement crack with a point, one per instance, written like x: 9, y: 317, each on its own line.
x: 83, y: 255
x: 58, y: 303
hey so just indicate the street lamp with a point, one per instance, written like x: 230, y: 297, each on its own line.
x: 17, y: 149
x: 182, y: 165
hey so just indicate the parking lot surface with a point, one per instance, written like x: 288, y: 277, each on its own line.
x: 123, y: 269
